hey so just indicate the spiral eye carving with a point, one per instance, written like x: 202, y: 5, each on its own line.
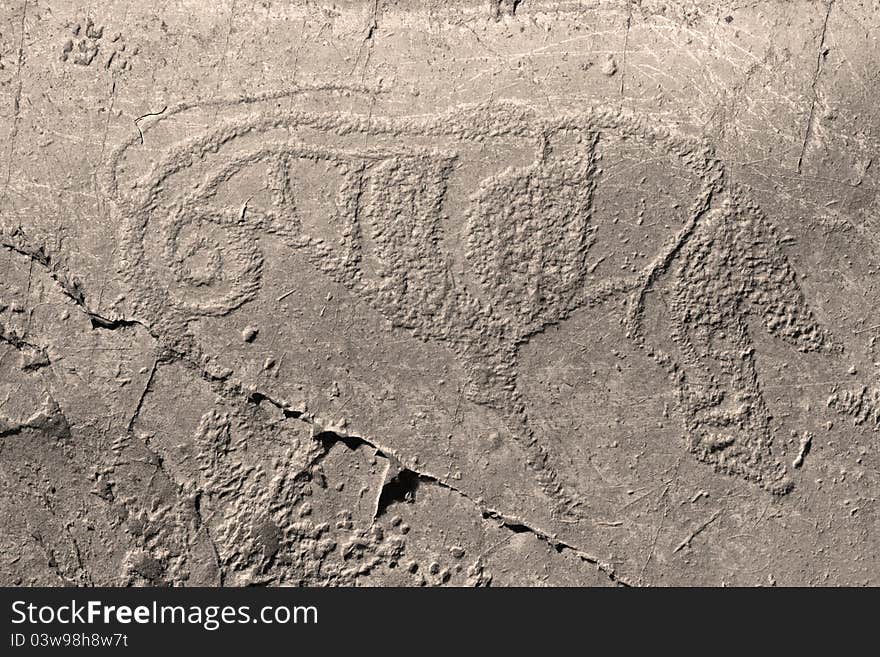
x: 214, y: 261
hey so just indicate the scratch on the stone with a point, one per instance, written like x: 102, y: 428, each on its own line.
x: 77, y: 553
x: 16, y: 118
x: 197, y: 509
x: 221, y: 64
x: 819, y: 59
x: 625, y: 45
x: 372, y: 26
x: 137, y: 408
x: 696, y: 532
x: 109, y: 117
x: 286, y: 294
x: 656, y: 535
x: 481, y: 42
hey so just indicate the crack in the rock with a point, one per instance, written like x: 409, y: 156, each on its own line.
x: 50, y: 418
x: 374, y: 22
x: 325, y: 436
x: 819, y: 58
x: 629, y: 16
x: 399, y: 487
x: 510, y: 7
x: 143, y: 396
x: 8, y: 428
x: 257, y: 397
x: 518, y: 526
x: 99, y: 321
x: 70, y: 285
x: 37, y: 355
x: 407, y: 478
x: 158, y: 462
x: 369, y: 38
x: 16, y: 103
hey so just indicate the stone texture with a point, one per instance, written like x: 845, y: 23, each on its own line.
x: 438, y: 293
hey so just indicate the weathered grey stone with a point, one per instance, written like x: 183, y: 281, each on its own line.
x: 438, y: 293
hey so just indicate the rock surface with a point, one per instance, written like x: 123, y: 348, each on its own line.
x: 439, y: 293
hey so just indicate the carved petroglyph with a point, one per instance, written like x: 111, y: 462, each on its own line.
x: 729, y: 269
x: 863, y: 405
x: 368, y: 199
